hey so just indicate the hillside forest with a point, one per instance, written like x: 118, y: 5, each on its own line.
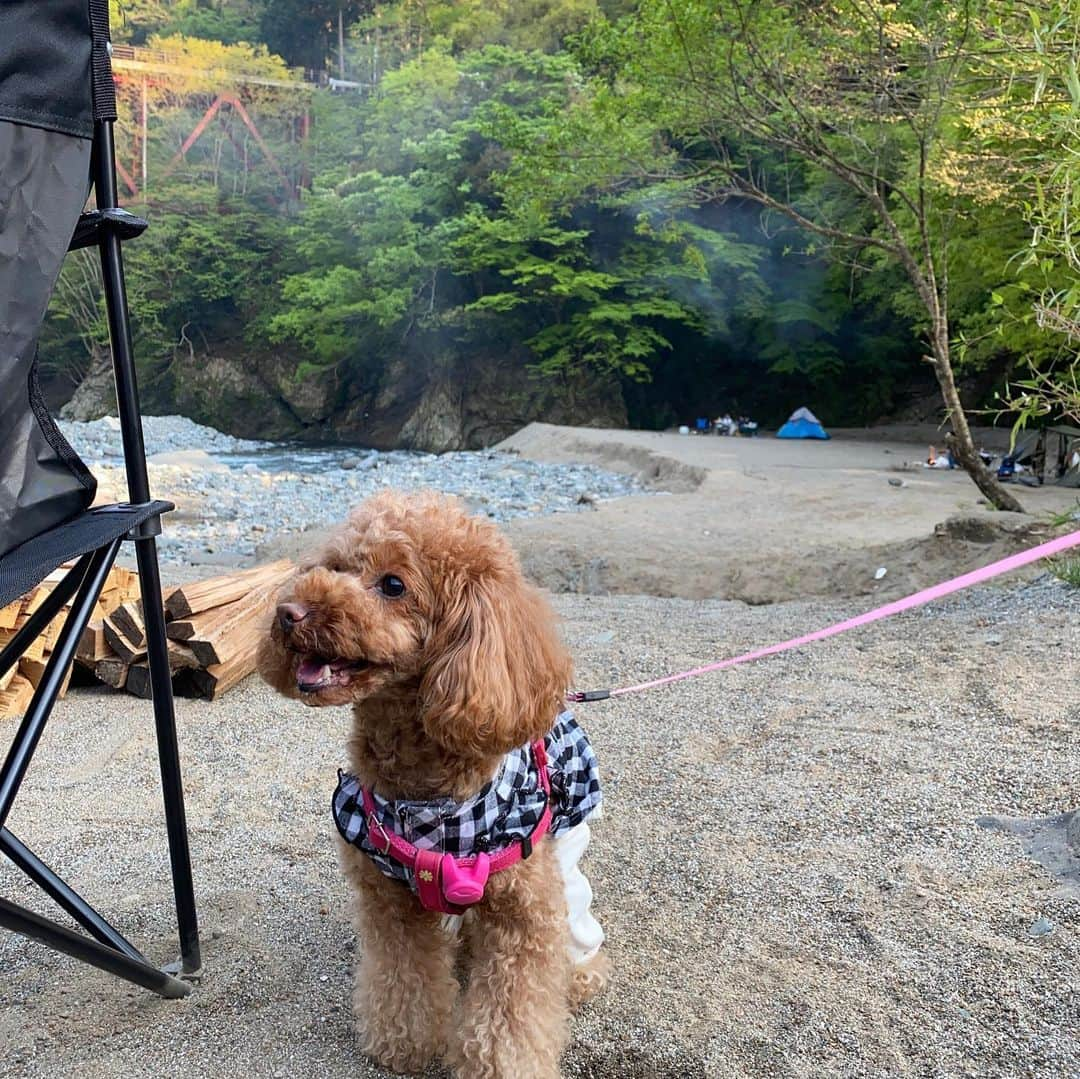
x: 423, y: 223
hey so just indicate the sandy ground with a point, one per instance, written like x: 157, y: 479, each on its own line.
x: 765, y: 520
x: 852, y: 860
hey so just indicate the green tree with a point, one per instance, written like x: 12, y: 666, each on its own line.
x: 470, y: 25
x: 842, y: 118
x: 418, y: 242
x: 584, y: 310
x: 1048, y: 83
x: 227, y: 21
x: 304, y: 32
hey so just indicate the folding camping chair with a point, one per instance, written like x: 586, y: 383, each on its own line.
x: 57, y: 107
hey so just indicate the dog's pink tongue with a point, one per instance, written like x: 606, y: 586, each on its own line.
x: 312, y: 671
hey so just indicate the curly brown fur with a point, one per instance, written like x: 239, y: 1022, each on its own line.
x: 444, y: 679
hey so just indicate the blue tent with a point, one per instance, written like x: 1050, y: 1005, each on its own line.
x: 802, y: 424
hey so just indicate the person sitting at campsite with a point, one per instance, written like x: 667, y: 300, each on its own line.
x: 940, y: 460
x: 724, y: 424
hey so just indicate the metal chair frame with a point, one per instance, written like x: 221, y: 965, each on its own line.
x: 105, y: 947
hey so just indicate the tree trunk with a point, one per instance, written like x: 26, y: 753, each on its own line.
x: 95, y: 396
x: 960, y: 442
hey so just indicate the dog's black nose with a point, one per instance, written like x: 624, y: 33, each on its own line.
x: 289, y: 614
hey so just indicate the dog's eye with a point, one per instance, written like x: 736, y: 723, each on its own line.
x: 392, y: 586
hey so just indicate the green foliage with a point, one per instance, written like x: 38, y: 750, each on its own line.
x: 304, y: 32
x: 611, y: 319
x: 1048, y: 91
x: 417, y: 242
x: 226, y: 21
x: 374, y: 267
x: 1067, y: 570
x: 1066, y: 516
x: 201, y: 275
x: 603, y: 184
x: 470, y: 25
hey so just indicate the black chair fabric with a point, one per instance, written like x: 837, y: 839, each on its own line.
x: 46, y: 58
x: 29, y: 564
x: 55, y: 79
x: 44, y: 177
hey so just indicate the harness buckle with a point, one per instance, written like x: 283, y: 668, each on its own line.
x: 373, y: 824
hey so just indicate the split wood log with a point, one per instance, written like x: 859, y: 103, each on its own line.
x: 138, y: 679
x: 112, y: 671
x: 118, y: 642
x: 190, y: 599
x: 92, y: 645
x: 33, y: 670
x: 218, y: 636
x: 17, y: 697
x: 213, y: 682
x: 128, y: 619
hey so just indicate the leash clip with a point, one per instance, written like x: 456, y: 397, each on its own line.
x: 580, y: 697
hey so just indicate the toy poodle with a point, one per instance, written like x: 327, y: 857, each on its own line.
x: 464, y: 814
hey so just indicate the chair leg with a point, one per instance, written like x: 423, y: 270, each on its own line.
x: 33, y: 723
x: 28, y: 924
x: 168, y: 755
x: 66, y: 896
x: 127, y: 399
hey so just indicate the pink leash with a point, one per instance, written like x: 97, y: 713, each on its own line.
x: 919, y: 599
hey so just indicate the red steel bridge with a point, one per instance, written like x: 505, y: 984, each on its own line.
x: 223, y: 97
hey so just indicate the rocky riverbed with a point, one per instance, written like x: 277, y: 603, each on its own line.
x: 232, y: 494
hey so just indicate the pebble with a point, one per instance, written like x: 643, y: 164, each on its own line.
x: 1040, y: 927
x: 234, y: 492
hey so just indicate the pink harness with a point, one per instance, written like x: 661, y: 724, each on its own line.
x: 444, y: 882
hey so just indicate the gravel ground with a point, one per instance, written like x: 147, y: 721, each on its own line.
x: 768, y: 520
x: 231, y: 494
x: 99, y: 440
x: 791, y: 870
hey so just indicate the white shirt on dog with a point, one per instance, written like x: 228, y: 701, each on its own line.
x: 586, y: 933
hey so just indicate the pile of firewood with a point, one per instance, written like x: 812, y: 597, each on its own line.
x: 18, y: 684
x: 213, y: 628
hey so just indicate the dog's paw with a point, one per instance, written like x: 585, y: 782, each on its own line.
x: 396, y: 1049
x: 505, y: 1062
x: 588, y: 979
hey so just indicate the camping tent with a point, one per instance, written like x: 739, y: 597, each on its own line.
x: 1052, y: 455
x: 1061, y: 455
x: 802, y: 424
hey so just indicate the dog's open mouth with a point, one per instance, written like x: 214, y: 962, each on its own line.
x: 315, y: 672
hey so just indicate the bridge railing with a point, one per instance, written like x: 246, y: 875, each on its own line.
x: 157, y: 61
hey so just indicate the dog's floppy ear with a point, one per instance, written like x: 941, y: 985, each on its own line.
x: 497, y: 672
